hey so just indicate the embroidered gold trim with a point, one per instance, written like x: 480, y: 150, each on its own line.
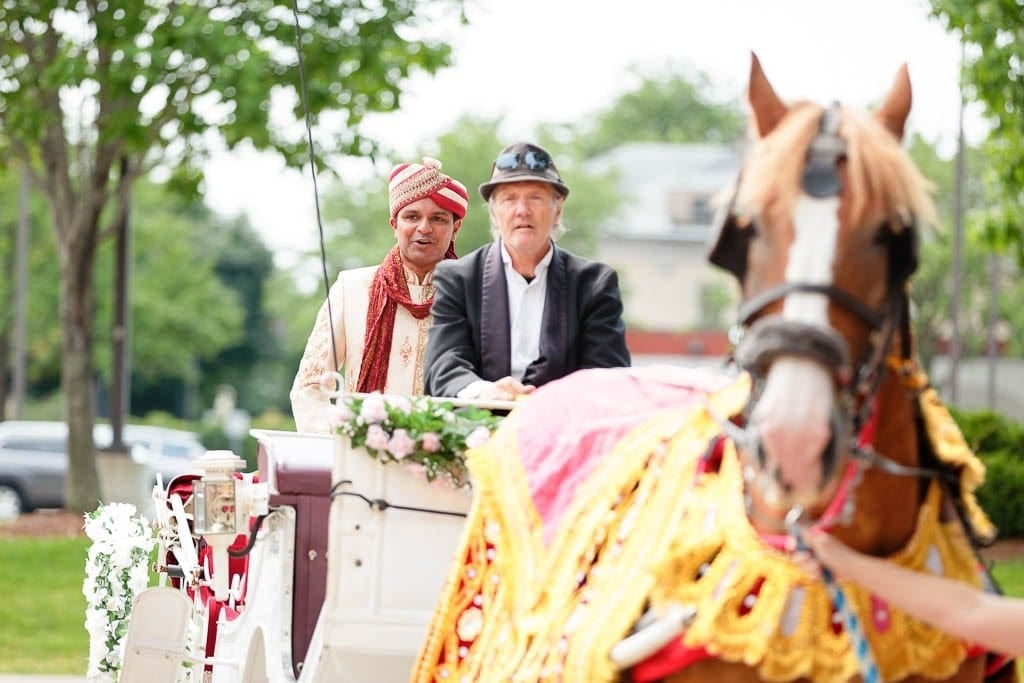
x: 316, y: 358
x: 514, y: 609
x: 405, y: 350
x: 422, y: 329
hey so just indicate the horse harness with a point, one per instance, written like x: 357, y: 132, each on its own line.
x: 761, y: 338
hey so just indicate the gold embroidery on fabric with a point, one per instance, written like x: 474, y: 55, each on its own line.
x: 316, y: 359
x: 514, y: 609
x: 422, y: 327
x: 405, y: 351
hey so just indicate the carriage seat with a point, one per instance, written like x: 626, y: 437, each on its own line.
x: 298, y: 469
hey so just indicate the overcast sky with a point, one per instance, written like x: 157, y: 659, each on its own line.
x: 534, y: 61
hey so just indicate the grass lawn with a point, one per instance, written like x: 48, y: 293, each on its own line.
x: 1010, y: 575
x: 43, y: 610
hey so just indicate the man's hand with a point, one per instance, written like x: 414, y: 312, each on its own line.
x: 506, y: 389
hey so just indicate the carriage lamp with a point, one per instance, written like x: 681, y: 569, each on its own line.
x: 214, y: 494
x: 222, y: 504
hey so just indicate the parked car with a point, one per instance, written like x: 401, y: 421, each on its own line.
x: 32, y: 466
x: 33, y: 459
x: 167, y: 451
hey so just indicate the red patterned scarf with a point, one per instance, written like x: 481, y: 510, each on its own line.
x: 388, y: 289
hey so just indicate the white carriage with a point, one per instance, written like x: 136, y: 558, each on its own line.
x: 333, y: 574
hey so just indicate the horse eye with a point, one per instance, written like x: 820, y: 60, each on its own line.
x: 884, y: 235
x: 754, y: 226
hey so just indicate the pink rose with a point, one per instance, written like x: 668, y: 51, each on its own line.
x: 417, y: 470
x: 478, y: 437
x: 431, y: 442
x: 444, y: 482
x: 400, y: 403
x: 376, y: 438
x: 401, y: 444
x: 374, y: 409
x: 338, y: 414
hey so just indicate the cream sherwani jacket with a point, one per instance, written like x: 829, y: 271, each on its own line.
x: 349, y: 300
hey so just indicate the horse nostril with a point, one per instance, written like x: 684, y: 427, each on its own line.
x: 837, y: 438
x: 829, y: 459
x: 761, y: 454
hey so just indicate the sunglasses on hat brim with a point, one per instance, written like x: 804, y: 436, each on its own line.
x: 533, y: 161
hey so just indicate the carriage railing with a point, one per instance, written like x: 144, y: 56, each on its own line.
x: 484, y: 404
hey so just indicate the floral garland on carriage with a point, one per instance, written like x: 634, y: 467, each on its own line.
x: 427, y: 435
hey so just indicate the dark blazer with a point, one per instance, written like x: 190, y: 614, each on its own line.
x: 469, y: 338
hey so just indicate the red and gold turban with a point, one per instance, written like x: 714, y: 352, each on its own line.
x: 411, y: 182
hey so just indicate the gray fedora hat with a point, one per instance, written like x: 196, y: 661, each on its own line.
x: 520, y: 162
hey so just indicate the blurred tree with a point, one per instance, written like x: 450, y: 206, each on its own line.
x: 94, y: 87
x: 42, y: 335
x: 8, y: 277
x: 673, y: 104
x: 167, y: 334
x: 931, y: 287
x: 993, y: 35
x: 244, y: 265
x: 181, y: 307
x: 292, y: 313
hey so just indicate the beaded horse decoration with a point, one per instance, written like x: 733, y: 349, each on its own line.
x: 631, y: 524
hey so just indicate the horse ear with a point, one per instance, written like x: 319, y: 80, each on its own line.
x: 767, y: 107
x: 893, y: 113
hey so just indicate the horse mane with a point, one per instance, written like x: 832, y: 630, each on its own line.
x: 882, y: 183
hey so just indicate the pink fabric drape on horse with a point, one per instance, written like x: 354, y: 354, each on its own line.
x: 573, y: 425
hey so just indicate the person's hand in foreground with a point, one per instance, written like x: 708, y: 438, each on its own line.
x: 993, y: 621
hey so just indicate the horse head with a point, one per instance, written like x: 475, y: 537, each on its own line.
x: 820, y: 231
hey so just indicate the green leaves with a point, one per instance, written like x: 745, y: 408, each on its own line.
x: 428, y: 434
x: 993, y: 34
x: 152, y: 75
x: 181, y: 309
x: 667, y: 106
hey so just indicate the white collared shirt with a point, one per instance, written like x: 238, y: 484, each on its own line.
x: 525, y: 311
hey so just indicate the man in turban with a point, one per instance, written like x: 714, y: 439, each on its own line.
x: 373, y: 326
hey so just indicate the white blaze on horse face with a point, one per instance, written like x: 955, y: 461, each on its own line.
x: 792, y: 415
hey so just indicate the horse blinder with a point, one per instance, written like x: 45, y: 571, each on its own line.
x: 902, y: 243
x: 730, y: 242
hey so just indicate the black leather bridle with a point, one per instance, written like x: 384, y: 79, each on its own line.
x: 765, y: 337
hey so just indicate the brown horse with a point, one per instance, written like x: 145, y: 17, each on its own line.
x: 643, y: 525
x: 821, y: 234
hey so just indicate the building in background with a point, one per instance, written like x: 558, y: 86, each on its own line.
x: 677, y: 306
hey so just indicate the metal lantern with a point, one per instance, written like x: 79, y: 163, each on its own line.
x: 215, y: 507
x: 215, y: 495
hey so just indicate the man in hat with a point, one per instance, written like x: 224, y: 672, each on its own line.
x: 374, y: 323
x: 521, y: 311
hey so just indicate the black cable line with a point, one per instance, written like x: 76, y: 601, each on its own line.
x: 381, y: 504
x: 304, y: 93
